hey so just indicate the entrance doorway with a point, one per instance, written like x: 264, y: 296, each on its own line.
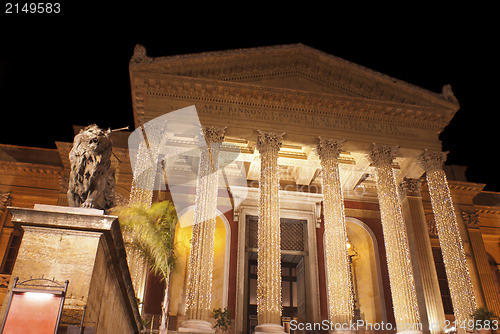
x: 293, y: 272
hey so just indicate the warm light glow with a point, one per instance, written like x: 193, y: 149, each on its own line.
x: 396, y: 241
x: 348, y: 245
x: 269, y: 258
x: 39, y: 295
x: 454, y: 258
x: 339, y: 283
x: 201, y: 260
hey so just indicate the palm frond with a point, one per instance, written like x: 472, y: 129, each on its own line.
x: 153, y: 231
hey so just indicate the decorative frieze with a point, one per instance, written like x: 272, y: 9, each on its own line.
x: 411, y: 187
x: 471, y: 220
x: 383, y: 155
x: 369, y: 113
x: 432, y: 161
x: 432, y: 229
x: 5, y: 199
x: 214, y: 134
x: 16, y: 168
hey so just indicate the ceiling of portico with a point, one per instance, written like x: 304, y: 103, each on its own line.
x: 300, y: 166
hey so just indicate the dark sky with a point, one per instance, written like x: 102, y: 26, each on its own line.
x: 71, y: 68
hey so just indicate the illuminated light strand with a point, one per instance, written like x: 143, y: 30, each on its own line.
x: 200, y: 268
x: 399, y: 265
x: 141, y: 193
x: 146, y: 163
x: 455, y: 262
x: 339, y: 283
x: 269, y: 257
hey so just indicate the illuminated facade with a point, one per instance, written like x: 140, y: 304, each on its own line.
x: 334, y: 154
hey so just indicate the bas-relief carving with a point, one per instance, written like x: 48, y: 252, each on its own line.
x: 365, y: 105
x: 248, y: 116
x: 471, y: 220
x: 5, y: 199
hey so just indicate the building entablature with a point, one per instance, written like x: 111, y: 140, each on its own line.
x: 304, y: 108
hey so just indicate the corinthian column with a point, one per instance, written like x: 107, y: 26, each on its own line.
x: 426, y: 280
x: 199, y: 281
x: 269, y: 257
x: 339, y: 284
x: 399, y: 264
x: 455, y: 262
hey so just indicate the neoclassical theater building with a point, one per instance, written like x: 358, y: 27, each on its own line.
x: 347, y: 211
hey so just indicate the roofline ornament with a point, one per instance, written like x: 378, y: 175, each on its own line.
x: 140, y: 56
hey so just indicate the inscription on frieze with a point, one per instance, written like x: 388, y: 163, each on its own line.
x: 305, y: 120
x: 298, y: 119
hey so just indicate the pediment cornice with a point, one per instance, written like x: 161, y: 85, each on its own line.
x: 249, y: 95
x: 252, y: 65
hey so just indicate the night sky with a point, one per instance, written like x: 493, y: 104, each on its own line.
x: 71, y: 68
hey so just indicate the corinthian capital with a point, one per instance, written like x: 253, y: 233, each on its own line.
x: 214, y: 134
x: 382, y: 155
x: 411, y: 187
x: 431, y: 161
x: 4, y: 200
x: 269, y: 141
x: 471, y: 220
x: 329, y: 148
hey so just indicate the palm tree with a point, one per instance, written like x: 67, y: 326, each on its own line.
x: 153, y: 233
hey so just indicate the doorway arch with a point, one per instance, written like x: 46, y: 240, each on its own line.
x: 220, y: 276
x: 367, y: 274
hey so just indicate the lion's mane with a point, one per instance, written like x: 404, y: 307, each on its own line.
x: 91, y: 182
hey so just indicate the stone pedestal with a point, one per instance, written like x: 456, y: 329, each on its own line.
x: 196, y: 326
x: 85, y: 247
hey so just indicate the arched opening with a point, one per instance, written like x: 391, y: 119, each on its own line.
x: 366, y: 271
x: 220, y: 276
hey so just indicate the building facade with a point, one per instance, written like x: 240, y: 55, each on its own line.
x: 347, y: 211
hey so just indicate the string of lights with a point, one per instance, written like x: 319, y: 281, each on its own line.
x: 339, y: 283
x: 141, y: 193
x: 269, y: 257
x: 455, y: 262
x: 396, y: 242
x: 200, y: 268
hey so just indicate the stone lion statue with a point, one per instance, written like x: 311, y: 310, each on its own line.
x: 92, y: 181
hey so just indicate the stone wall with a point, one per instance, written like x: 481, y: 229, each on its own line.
x: 85, y: 247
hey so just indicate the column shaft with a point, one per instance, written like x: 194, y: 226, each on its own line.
x: 199, y: 282
x: 339, y: 283
x: 269, y: 257
x: 426, y: 281
x: 455, y: 262
x: 482, y: 263
x: 396, y: 242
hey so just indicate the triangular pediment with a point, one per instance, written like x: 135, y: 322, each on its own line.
x: 293, y: 67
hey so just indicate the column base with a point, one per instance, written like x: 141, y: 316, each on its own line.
x: 196, y: 326
x: 269, y: 328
